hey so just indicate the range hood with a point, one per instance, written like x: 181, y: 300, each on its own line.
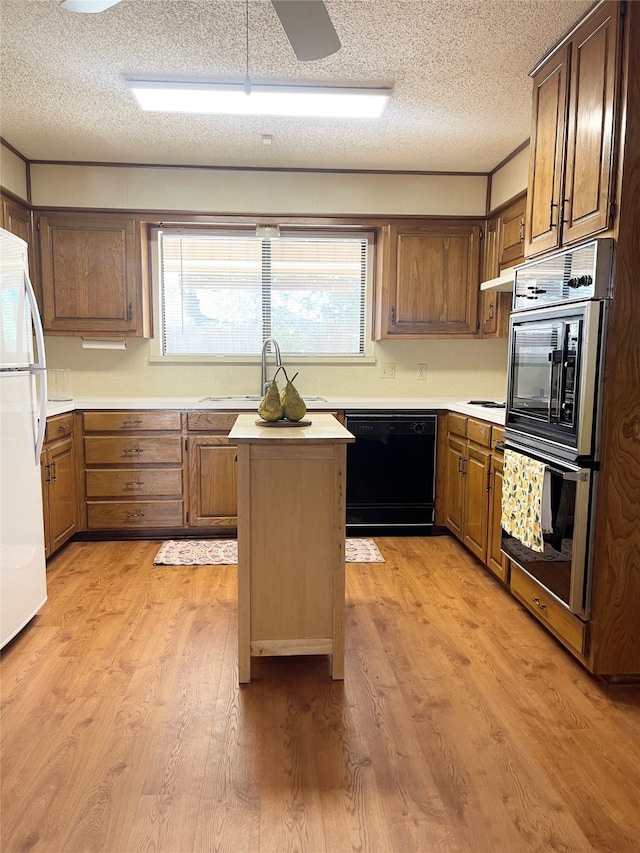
x: 503, y: 282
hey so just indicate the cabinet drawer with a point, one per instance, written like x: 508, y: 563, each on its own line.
x: 211, y: 421
x: 131, y: 421
x: 568, y: 627
x: 58, y: 426
x: 144, y: 482
x: 132, y: 450
x: 479, y: 431
x: 457, y: 424
x: 497, y: 436
x: 104, y: 515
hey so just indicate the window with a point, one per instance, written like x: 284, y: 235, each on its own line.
x: 222, y: 292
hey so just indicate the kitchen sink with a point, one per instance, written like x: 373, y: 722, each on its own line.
x: 249, y: 397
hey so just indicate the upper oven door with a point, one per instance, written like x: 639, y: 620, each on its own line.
x: 555, y: 357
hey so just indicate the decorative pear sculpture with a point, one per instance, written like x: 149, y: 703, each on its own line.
x: 270, y: 408
x: 293, y: 405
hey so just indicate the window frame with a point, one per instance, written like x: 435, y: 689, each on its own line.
x: 244, y: 229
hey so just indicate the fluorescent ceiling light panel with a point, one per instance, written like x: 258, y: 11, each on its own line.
x: 272, y: 100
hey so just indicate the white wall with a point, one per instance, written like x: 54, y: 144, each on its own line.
x: 13, y: 172
x: 511, y: 179
x: 243, y: 191
x: 455, y: 368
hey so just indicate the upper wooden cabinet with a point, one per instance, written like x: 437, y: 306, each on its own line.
x: 428, y: 284
x: 16, y: 218
x: 571, y: 169
x: 511, y: 233
x: 503, y: 247
x: 91, y: 270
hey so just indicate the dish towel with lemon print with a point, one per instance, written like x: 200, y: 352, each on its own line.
x: 523, y: 497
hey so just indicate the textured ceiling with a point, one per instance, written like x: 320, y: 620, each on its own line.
x: 459, y: 69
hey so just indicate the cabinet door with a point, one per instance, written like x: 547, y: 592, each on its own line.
x: 546, y: 161
x: 590, y: 131
x: 15, y: 218
x: 433, y: 281
x: 496, y: 560
x: 91, y: 277
x: 61, y: 494
x: 511, y: 247
x: 476, y: 500
x: 454, y: 490
x: 213, y: 478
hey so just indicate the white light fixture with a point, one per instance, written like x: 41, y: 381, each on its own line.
x: 234, y: 99
x: 265, y: 231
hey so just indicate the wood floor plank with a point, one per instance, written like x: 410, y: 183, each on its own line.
x: 461, y: 724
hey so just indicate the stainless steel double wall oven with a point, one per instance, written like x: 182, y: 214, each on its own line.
x: 556, y: 348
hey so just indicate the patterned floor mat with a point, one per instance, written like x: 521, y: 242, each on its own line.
x: 224, y: 552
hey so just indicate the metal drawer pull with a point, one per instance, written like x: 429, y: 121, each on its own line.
x: 132, y: 484
x: 132, y: 450
x: 135, y: 514
x: 132, y: 423
x: 539, y: 604
x: 64, y: 427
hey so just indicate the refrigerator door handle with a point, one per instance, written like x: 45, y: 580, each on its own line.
x: 40, y: 363
x: 38, y: 368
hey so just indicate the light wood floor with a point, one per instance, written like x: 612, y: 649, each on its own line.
x: 461, y: 725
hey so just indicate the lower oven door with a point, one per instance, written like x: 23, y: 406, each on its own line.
x: 567, y: 503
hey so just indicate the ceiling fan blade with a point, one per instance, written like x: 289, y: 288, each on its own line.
x: 88, y: 5
x: 308, y: 27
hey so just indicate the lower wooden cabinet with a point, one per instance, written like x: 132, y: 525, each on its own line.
x: 476, y: 505
x: 496, y: 560
x: 59, y: 483
x: 473, y: 488
x: 566, y: 627
x: 212, y: 467
x: 133, y: 470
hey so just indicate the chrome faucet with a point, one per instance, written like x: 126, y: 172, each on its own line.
x: 264, y: 382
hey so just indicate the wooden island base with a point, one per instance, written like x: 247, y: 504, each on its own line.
x: 291, y: 535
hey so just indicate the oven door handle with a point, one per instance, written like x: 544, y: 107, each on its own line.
x: 555, y: 391
x: 574, y: 476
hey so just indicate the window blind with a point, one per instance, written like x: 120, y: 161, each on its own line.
x: 224, y: 293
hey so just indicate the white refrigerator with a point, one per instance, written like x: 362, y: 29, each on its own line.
x: 23, y: 409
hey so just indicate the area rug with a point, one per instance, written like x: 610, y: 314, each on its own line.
x: 224, y: 552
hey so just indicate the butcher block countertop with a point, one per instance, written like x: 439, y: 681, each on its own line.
x: 323, y: 427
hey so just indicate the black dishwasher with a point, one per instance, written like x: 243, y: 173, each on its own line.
x: 391, y: 472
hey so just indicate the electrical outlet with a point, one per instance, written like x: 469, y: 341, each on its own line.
x: 388, y: 370
x: 421, y: 372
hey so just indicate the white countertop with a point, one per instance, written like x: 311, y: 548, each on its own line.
x: 387, y: 404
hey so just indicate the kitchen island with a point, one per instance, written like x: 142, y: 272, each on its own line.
x: 291, y: 539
